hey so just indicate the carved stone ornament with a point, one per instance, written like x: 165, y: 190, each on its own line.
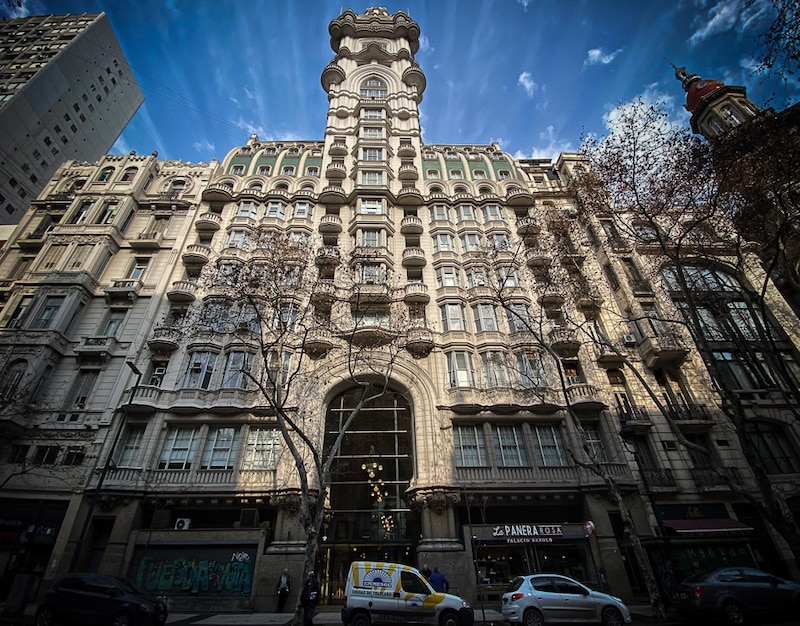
x: 438, y: 500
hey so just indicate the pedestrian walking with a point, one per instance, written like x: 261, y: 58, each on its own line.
x: 439, y: 581
x: 309, y: 597
x: 426, y: 571
x: 283, y: 588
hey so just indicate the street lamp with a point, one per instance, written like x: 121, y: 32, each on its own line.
x: 104, y: 471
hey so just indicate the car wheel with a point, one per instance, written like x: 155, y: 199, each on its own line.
x: 122, y: 619
x: 532, y: 617
x: 733, y: 613
x: 449, y: 618
x: 45, y: 616
x: 360, y: 619
x: 612, y: 617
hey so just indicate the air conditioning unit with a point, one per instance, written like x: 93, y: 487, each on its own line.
x: 183, y: 523
x: 629, y: 339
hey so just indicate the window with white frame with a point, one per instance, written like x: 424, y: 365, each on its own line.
x: 548, y: 446
x: 372, y: 178
x: 179, y: 448
x: 465, y: 212
x: 221, y: 448
x: 531, y: 370
x: 372, y: 132
x: 452, y: 317
x: 503, y: 175
x: 469, y: 441
x: 238, y: 239
x: 495, y: 368
x: 277, y: 209
x: 247, y: 208
x: 484, y: 316
x: 507, y: 276
x: 288, y: 170
x: 372, y: 114
x: 138, y: 268
x: 509, y: 445
x: 132, y: 446
x: 499, y: 241
x: 370, y: 317
x: 373, y: 88
x: 237, y: 170
x: 371, y: 238
x: 312, y: 171
x: 492, y: 213
x: 371, y: 206
x: 262, y: 449
x: 264, y: 170
x: 476, y: 277
x: 372, y: 154
x: 456, y: 174
x: 470, y: 242
x: 370, y: 273
x: 237, y: 365
x: 199, y: 370
x: 594, y: 441
x: 432, y: 174
x: 447, y: 276
x: 441, y: 212
x: 443, y: 242
x: 286, y: 315
x: 46, y: 314
x: 302, y: 209
x: 459, y: 368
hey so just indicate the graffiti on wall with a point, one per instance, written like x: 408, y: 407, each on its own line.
x: 217, y: 571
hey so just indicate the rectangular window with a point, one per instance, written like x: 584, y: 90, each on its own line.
x: 79, y: 255
x: 459, y: 369
x: 548, y: 446
x: 491, y: 213
x: 18, y: 316
x: 518, y: 318
x: 443, y: 242
x: 470, y: 242
x: 199, y: 370
x: 372, y: 178
x: 263, y: 446
x: 371, y: 238
x: 370, y: 273
x: 495, y: 369
x: 238, y: 239
x: 236, y: 365
x: 465, y: 213
x: 74, y: 456
x: 483, y: 314
x: 452, y: 317
x: 500, y: 241
x: 45, y: 455
x: 470, y: 445
x: 373, y: 114
x: 180, y: 446
x: 372, y: 154
x: 52, y: 256
x: 132, y: 446
x: 509, y: 446
x: 507, y: 277
x: 116, y: 317
x: 82, y: 388
x: 138, y: 268
x: 302, y: 209
x: 372, y: 132
x: 447, y: 276
x: 108, y: 213
x: 441, y: 212
x: 47, y: 313
x: 531, y: 370
x: 591, y: 435
x: 221, y: 449
x: 735, y: 372
x: 276, y: 209
x: 371, y: 206
x: 247, y: 208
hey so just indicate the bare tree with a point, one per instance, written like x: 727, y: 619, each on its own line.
x: 304, y: 320
x: 779, y: 46
x: 662, y: 189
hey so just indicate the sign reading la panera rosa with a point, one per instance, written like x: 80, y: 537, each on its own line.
x: 527, y: 533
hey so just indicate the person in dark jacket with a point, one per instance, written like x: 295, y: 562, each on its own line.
x: 426, y: 571
x: 439, y: 581
x: 284, y: 587
x: 309, y: 597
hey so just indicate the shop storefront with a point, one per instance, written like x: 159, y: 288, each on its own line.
x: 503, y: 551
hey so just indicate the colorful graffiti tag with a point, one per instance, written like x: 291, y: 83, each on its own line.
x: 230, y: 574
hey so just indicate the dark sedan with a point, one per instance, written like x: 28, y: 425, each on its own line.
x: 737, y: 595
x: 95, y: 599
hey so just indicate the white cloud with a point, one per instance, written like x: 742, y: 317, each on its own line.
x: 549, y: 147
x: 526, y: 80
x: 524, y: 3
x: 203, y: 146
x: 425, y: 45
x: 249, y: 93
x: 725, y: 15
x: 651, y: 95
x: 596, y: 56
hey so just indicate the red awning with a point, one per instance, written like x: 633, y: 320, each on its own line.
x: 719, y: 526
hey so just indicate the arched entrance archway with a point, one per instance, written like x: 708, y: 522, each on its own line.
x: 370, y: 518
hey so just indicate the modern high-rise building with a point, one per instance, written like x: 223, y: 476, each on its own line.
x: 66, y: 92
x: 518, y: 332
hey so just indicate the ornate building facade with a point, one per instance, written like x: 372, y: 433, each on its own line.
x: 533, y: 333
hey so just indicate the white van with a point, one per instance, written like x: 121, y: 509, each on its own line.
x: 391, y: 592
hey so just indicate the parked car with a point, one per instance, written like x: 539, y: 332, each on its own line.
x: 95, y: 599
x: 736, y: 594
x: 540, y: 599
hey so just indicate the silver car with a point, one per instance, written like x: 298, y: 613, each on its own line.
x: 554, y: 599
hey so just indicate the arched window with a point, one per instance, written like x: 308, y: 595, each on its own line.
x: 255, y: 187
x: 373, y: 87
x: 105, y: 174
x: 129, y: 174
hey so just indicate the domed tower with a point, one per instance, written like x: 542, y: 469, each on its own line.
x: 716, y: 108
x: 374, y: 87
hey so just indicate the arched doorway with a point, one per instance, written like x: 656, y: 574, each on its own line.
x: 370, y: 517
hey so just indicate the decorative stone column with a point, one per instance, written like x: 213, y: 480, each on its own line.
x: 437, y: 511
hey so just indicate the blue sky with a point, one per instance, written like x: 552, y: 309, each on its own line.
x: 532, y: 75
